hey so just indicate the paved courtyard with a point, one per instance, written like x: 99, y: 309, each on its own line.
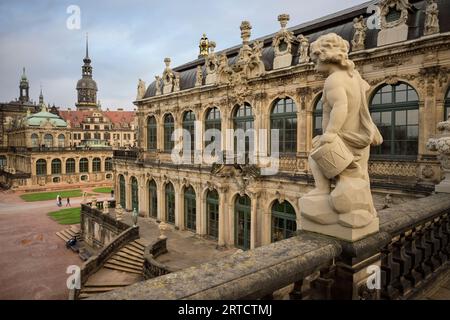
x: 33, y: 260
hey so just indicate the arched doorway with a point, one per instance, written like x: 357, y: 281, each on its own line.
x: 134, y: 194
x: 190, y: 214
x: 284, y: 223
x: 170, y: 203
x: 212, y: 214
x: 122, y: 192
x: 242, y: 226
x: 152, y: 199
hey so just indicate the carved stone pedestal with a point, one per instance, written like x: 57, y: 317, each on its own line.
x: 338, y: 231
x: 282, y: 61
x: 393, y: 35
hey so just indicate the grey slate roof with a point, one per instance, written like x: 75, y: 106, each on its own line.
x: 340, y: 22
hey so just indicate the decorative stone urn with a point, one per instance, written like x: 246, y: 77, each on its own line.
x: 119, y: 212
x: 135, y: 217
x: 162, y: 229
x: 105, y: 207
x: 441, y: 144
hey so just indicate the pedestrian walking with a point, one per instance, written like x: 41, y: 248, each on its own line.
x: 68, y: 202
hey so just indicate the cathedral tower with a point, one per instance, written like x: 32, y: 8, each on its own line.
x: 86, y: 86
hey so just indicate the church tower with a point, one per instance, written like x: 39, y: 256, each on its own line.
x: 24, y: 88
x: 86, y: 86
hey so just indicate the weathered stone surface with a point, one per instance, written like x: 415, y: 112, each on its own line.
x: 250, y: 274
x: 340, y: 232
x: 318, y: 209
x: 351, y: 194
x: 355, y: 219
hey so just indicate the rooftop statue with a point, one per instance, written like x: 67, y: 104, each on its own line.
x: 342, y: 151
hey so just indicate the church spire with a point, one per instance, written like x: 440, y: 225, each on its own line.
x: 24, y: 88
x: 87, y: 46
x: 41, y: 97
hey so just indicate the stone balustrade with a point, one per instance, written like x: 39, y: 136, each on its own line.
x: 411, y: 248
x: 153, y: 268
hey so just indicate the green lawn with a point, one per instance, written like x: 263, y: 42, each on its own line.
x: 66, y: 216
x: 102, y: 190
x: 42, y: 196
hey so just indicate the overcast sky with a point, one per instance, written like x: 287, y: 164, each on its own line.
x: 128, y: 40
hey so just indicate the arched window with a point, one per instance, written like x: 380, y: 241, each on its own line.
x: 153, y: 199
x: 134, y: 194
x: 48, y: 140
x: 170, y: 203
x: 242, y: 224
x: 122, y: 191
x: 395, y: 110
x: 107, y: 136
x: 212, y: 214
x: 34, y: 140
x: 108, y: 164
x: 41, y: 167
x: 213, y: 121
x: 70, y: 165
x: 96, y: 165
x: 190, y: 215
x: 151, y: 134
x: 84, y: 165
x: 317, y: 117
x: 189, y: 126
x: 169, y: 128
x: 284, y: 222
x: 56, y: 166
x: 447, y: 106
x: 284, y: 118
x: 243, y: 120
x: 61, y: 141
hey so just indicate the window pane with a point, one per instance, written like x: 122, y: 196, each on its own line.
x: 413, y: 116
x: 400, y: 117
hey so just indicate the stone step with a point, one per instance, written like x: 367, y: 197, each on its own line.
x: 129, y: 261
x: 130, y: 257
x: 134, y: 249
x: 114, y: 267
x: 102, y: 284
x: 99, y: 289
x: 124, y: 264
x: 82, y: 296
x: 131, y: 252
x: 67, y: 234
x: 62, y: 236
x: 75, y: 229
x: 140, y: 242
x: 137, y: 245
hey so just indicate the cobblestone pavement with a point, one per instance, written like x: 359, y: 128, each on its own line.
x: 33, y: 260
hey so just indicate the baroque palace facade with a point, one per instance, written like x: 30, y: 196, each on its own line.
x: 43, y: 147
x: 270, y: 83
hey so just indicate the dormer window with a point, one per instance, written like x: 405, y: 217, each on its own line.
x: 393, y: 15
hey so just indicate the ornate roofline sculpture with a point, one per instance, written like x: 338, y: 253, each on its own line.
x: 282, y: 44
x: 400, y: 5
x: 359, y: 38
x: 431, y: 18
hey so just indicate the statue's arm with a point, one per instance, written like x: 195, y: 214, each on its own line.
x: 337, y: 101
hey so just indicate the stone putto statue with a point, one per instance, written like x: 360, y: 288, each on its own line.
x: 158, y: 85
x: 199, y: 77
x: 303, y: 56
x: 360, y: 34
x: 432, y: 19
x: 176, y: 83
x: 342, y: 151
x: 140, y: 90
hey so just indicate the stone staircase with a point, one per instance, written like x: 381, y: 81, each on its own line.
x: 66, y: 234
x: 122, y: 269
x: 129, y: 259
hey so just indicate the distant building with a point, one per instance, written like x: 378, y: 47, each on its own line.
x: 41, y: 146
x: 270, y: 83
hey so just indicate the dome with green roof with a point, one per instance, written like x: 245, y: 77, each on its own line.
x: 42, y: 117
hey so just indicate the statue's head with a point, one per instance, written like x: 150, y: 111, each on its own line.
x: 331, y: 50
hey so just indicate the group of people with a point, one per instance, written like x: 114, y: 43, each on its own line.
x: 59, y: 201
